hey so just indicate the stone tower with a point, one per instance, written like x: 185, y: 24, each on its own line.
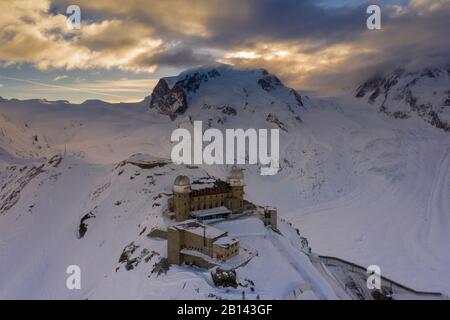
x: 236, y: 182
x: 181, y: 198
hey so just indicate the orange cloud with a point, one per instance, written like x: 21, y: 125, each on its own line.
x: 143, y: 35
x: 30, y: 33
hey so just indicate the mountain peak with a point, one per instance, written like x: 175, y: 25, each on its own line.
x: 402, y: 94
x: 223, y: 87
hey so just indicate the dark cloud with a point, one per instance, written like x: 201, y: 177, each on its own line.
x: 307, y: 43
x: 233, y: 22
x: 175, y: 57
x: 287, y: 20
x: 413, y: 36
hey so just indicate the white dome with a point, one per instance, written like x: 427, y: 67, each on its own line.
x: 182, y: 181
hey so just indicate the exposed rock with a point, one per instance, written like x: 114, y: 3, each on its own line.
x: 83, y: 224
x: 397, y: 92
x: 223, y: 278
x: 168, y: 101
x: 269, y: 82
x: 9, y: 199
x: 372, y: 84
x: 228, y: 110
x: 55, y: 160
x: 274, y: 119
x: 192, y: 82
x: 125, y: 257
x: 297, y: 97
x: 162, y: 266
x: 173, y: 101
x: 127, y: 251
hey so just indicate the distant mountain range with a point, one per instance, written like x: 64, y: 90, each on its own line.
x: 402, y: 94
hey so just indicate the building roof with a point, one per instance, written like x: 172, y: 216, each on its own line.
x: 200, y: 229
x: 199, y: 254
x: 200, y: 186
x: 225, y: 241
x: 209, y: 186
x: 210, y: 212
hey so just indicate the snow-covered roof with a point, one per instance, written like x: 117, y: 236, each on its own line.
x: 200, y: 229
x: 225, y: 241
x: 199, y: 254
x: 210, y: 212
x: 200, y: 186
x: 207, y: 183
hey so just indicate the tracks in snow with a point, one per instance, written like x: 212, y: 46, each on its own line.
x: 437, y: 216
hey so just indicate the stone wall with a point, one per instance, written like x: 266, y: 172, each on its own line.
x: 174, y: 245
x: 180, y: 239
x: 183, y: 204
x: 198, y: 243
x: 224, y: 253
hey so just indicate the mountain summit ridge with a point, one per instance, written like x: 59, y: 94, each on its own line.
x: 221, y: 86
x: 402, y: 94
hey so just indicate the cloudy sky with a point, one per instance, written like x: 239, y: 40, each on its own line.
x: 124, y: 47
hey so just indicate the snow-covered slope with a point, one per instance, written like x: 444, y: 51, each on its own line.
x: 64, y: 211
x: 358, y: 184
x: 404, y: 94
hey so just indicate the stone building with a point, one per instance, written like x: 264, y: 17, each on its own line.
x: 195, y: 243
x: 225, y: 197
x: 270, y: 217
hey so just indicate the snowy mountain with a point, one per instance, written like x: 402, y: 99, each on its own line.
x: 85, y: 184
x: 227, y: 94
x: 403, y: 94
